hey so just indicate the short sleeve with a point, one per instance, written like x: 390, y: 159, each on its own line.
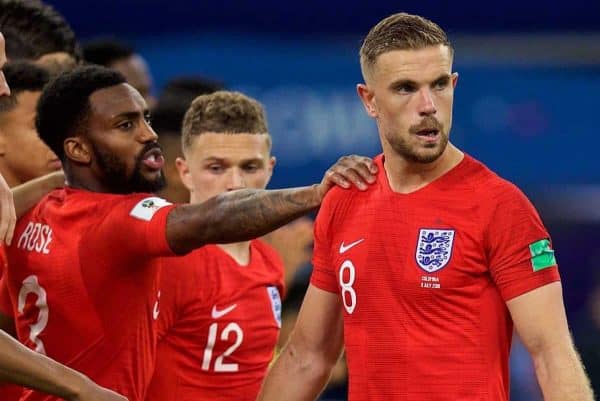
x: 519, y: 248
x: 135, y: 227
x: 323, y: 275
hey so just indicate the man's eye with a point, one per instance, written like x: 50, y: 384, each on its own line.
x: 440, y: 85
x: 126, y: 125
x: 405, y: 88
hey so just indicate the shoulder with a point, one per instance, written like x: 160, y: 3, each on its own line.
x: 268, y: 253
x: 196, y: 260
x: 500, y: 199
x: 141, y: 206
x: 490, y: 187
x: 339, y: 201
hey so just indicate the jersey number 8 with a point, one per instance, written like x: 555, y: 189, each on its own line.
x: 348, y: 293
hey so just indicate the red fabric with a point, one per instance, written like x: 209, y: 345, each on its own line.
x: 85, y: 273
x: 415, y: 334
x: 194, y: 287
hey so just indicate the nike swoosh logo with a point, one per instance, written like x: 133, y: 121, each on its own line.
x: 345, y: 248
x: 215, y: 314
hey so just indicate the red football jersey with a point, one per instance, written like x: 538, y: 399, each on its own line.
x: 8, y: 392
x: 423, y: 279
x: 83, y: 284
x: 219, y: 325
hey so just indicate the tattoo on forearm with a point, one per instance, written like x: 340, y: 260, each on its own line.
x: 237, y: 216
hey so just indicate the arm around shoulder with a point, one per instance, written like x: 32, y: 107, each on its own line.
x: 237, y: 216
x: 540, y: 320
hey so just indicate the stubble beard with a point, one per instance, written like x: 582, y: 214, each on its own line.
x: 411, y: 152
x: 116, y: 179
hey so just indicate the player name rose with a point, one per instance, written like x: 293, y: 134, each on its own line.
x: 36, y: 237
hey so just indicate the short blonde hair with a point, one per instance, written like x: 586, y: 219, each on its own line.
x: 400, y: 31
x: 224, y: 112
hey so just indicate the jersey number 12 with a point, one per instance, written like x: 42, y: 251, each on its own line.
x: 233, y: 329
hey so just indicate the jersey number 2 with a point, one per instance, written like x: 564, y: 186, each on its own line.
x: 220, y: 366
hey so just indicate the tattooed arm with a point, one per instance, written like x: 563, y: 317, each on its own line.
x: 246, y: 214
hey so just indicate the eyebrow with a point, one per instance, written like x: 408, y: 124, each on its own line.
x: 131, y: 114
x: 410, y: 82
x: 224, y: 160
x: 443, y: 77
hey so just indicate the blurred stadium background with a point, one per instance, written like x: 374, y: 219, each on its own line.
x: 526, y: 102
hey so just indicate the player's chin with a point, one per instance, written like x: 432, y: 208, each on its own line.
x: 152, y: 181
x: 428, y: 154
x: 151, y: 174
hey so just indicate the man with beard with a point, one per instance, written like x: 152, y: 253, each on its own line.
x: 423, y: 275
x: 85, y: 283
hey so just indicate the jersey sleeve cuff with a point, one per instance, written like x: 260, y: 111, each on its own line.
x: 157, y: 233
x: 324, y: 279
x: 537, y: 280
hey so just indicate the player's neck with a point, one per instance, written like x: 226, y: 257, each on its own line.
x: 240, y: 252
x: 406, y: 176
x: 84, y: 178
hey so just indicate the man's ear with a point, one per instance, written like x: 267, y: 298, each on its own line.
x: 184, y: 173
x: 367, y: 96
x: 78, y: 150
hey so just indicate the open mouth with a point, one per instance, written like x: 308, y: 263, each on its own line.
x: 153, y: 159
x: 428, y: 134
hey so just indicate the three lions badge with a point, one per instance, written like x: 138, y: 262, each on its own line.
x: 434, y: 248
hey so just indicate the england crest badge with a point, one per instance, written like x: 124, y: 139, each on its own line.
x: 275, y: 303
x: 434, y: 248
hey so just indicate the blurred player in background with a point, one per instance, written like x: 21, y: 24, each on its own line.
x: 23, y: 155
x: 83, y: 276
x: 422, y: 276
x: 167, y: 120
x: 221, y: 304
x: 35, y: 31
x: 119, y: 56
